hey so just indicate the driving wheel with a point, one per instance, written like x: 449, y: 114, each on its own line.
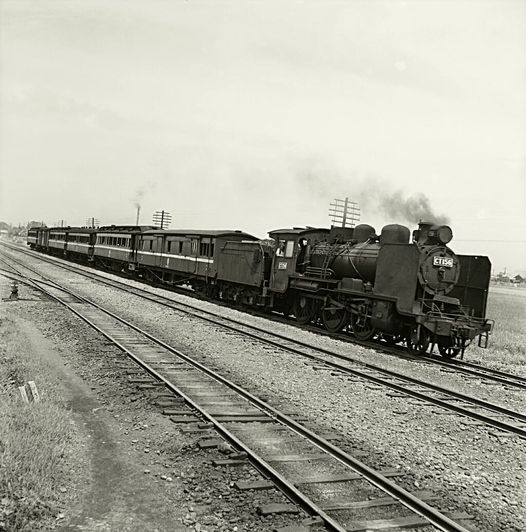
x: 361, y: 326
x: 304, y: 309
x: 334, y: 319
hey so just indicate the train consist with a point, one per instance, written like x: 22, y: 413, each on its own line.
x: 412, y: 290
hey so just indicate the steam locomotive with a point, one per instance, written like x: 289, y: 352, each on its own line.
x: 415, y: 290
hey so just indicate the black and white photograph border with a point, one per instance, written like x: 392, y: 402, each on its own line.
x: 262, y: 265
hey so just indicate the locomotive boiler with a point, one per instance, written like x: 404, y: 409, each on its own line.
x: 400, y: 288
x: 357, y: 258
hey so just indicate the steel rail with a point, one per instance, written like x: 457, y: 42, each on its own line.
x: 501, y: 425
x: 406, y: 498
x: 475, y: 369
x: 504, y: 378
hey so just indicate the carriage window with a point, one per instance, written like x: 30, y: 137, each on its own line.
x: 194, y: 246
x: 180, y: 247
x: 289, y: 250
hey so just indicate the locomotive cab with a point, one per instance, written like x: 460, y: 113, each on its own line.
x: 292, y: 254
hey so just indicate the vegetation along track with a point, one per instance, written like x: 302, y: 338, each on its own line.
x: 276, y: 444
x: 456, y: 365
x: 483, y: 412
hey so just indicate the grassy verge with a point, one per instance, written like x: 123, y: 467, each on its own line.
x: 507, y: 347
x: 34, y: 438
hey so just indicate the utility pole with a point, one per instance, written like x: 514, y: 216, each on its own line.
x: 92, y: 223
x: 344, y: 212
x: 162, y: 219
x: 138, y: 214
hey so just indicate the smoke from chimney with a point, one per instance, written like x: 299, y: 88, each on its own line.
x: 412, y: 209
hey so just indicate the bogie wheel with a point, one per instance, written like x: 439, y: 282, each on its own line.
x: 334, y: 319
x: 304, y: 309
x: 447, y: 350
x: 418, y: 341
x: 361, y: 326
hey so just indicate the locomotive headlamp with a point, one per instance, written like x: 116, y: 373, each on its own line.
x: 444, y: 234
x: 428, y: 233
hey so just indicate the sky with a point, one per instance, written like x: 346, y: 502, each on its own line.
x: 257, y: 115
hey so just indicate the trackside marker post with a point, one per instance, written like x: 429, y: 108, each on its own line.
x: 29, y: 392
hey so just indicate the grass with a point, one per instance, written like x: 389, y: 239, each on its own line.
x: 34, y: 438
x: 507, y: 344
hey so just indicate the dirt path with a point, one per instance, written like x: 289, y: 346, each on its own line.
x: 114, y: 492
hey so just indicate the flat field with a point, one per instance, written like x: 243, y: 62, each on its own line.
x: 507, y: 343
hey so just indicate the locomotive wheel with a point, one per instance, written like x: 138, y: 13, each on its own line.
x: 334, y: 319
x: 304, y: 309
x: 447, y: 350
x: 361, y: 326
x: 418, y: 343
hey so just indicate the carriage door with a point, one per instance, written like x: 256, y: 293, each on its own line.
x: 159, y: 251
x: 283, y: 264
x: 133, y: 244
x: 195, y: 253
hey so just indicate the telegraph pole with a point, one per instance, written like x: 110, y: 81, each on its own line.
x: 91, y: 223
x: 162, y: 219
x: 344, y: 213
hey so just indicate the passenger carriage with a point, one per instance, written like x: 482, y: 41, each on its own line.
x: 183, y: 256
x: 80, y: 243
x: 57, y: 241
x: 32, y: 237
x: 115, y: 247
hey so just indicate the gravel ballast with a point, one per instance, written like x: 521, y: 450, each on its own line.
x: 471, y: 467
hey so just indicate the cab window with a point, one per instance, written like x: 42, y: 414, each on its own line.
x: 289, y: 250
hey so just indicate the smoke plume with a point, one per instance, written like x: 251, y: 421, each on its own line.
x: 412, y: 209
x: 377, y: 198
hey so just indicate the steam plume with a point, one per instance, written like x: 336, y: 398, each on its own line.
x: 409, y: 208
x: 375, y: 195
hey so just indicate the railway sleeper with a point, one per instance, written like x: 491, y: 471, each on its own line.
x: 401, y: 522
x: 321, y: 479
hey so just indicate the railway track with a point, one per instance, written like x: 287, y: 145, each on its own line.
x: 276, y: 443
x: 458, y: 366
x: 480, y: 411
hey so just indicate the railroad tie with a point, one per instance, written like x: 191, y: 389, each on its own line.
x: 322, y: 479
x: 399, y: 522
